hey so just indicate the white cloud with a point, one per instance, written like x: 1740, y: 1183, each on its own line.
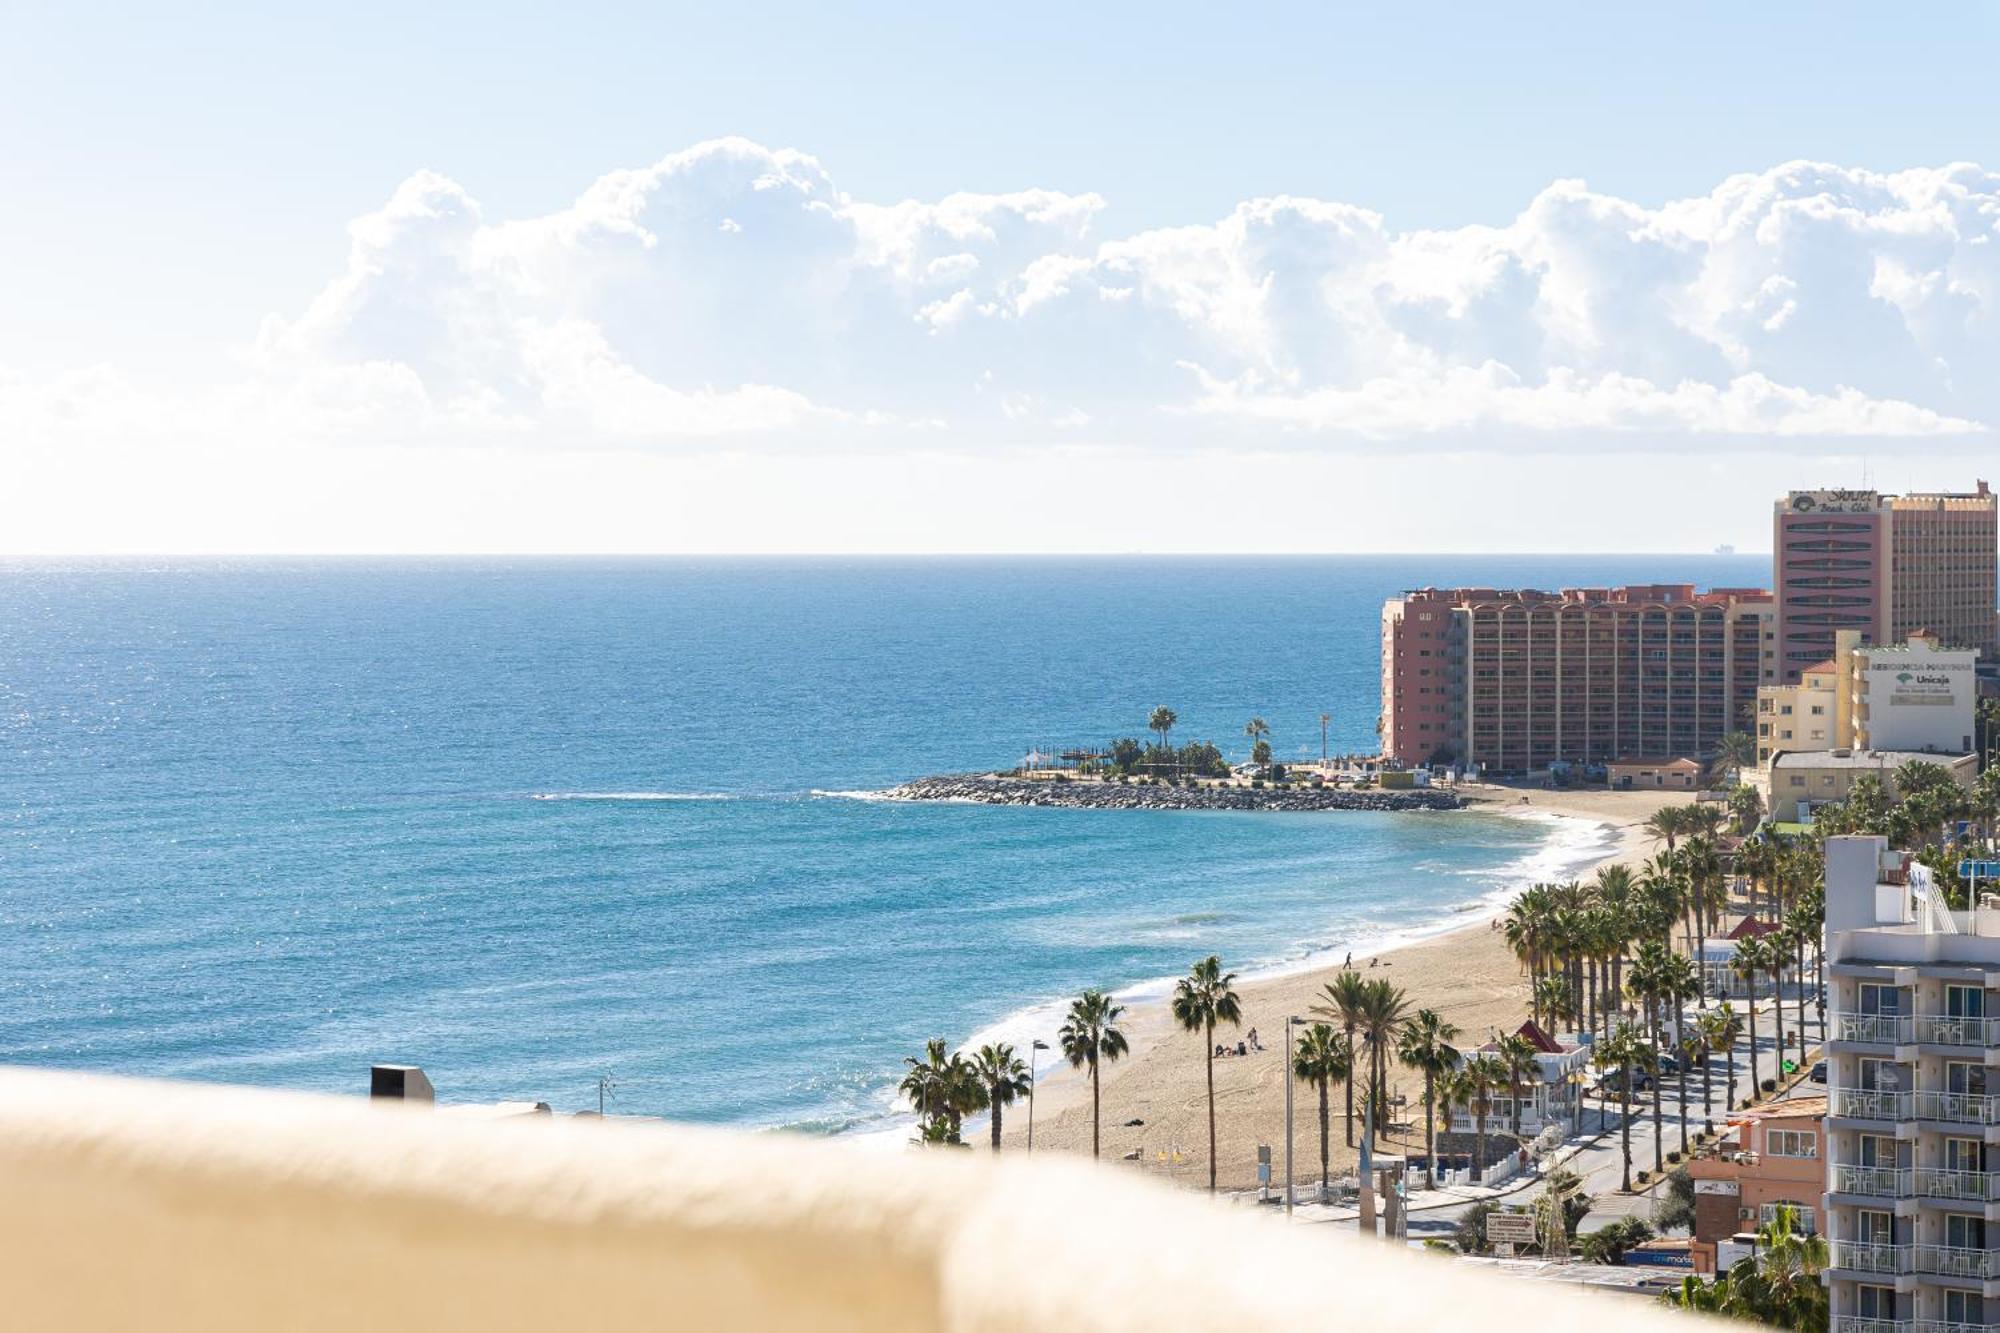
x: 731, y: 295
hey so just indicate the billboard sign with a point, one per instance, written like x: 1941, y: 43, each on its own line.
x: 1834, y: 502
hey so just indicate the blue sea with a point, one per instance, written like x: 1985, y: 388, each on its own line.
x: 528, y: 823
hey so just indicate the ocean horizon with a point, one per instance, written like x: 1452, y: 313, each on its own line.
x: 533, y: 822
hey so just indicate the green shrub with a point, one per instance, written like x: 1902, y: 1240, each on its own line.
x: 1674, y: 1156
x: 1643, y: 1176
x: 1769, y: 1085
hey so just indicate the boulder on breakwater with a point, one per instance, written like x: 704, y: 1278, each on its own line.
x: 1092, y: 795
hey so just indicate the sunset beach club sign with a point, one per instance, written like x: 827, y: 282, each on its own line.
x: 1833, y: 502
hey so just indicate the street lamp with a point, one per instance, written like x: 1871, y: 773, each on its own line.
x: 1291, y: 1020
x: 1033, y: 1046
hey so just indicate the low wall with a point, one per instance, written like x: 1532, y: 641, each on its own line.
x: 140, y: 1205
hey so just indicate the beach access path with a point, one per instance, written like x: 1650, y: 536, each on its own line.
x: 1467, y: 975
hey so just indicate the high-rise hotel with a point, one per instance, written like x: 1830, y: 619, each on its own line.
x: 1887, y: 565
x: 1521, y: 679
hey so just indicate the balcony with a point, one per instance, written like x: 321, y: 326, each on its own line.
x: 1955, y: 1261
x: 1945, y: 1326
x: 1866, y: 1257
x: 1848, y: 1323
x: 1974, y: 1186
x: 1958, y: 1108
x: 1884, y: 1182
x: 1883, y: 1029
x: 1939, y: 1030
x: 1864, y: 1104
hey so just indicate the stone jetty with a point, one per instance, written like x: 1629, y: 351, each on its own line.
x: 1093, y: 795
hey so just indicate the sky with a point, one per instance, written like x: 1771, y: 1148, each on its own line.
x: 810, y: 278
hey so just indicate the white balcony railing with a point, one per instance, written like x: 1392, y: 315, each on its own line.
x: 1938, y: 1183
x: 1866, y: 1257
x: 1886, y: 1182
x: 1862, y: 1104
x: 1961, y: 1108
x: 1939, y: 1030
x: 1848, y: 1323
x: 1885, y: 1029
x: 1946, y: 1326
x: 1955, y: 1261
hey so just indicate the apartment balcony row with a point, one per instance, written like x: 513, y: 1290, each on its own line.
x: 1905, y: 1029
x: 1924, y: 1182
x: 1956, y: 1108
x: 1858, y: 1324
x: 1855, y: 1256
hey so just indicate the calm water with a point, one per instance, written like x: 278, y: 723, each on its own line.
x: 527, y: 822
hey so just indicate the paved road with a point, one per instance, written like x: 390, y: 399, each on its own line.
x: 1599, y: 1159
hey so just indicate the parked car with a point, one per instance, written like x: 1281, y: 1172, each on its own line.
x: 1818, y: 1074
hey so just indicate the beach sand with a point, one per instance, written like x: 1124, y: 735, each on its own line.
x: 1467, y: 975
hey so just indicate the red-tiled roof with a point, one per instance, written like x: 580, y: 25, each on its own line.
x: 1751, y: 927
x: 1537, y: 1038
x: 1818, y: 667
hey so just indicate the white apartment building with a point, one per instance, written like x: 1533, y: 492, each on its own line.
x: 1913, y: 1177
x: 1913, y: 695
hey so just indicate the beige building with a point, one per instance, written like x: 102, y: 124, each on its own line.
x: 1913, y: 695
x: 1802, y: 779
x: 1654, y: 774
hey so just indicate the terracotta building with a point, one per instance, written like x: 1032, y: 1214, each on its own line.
x: 1887, y: 566
x: 1519, y: 679
x: 1769, y: 1158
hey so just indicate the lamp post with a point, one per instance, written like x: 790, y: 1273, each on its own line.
x: 1033, y: 1046
x: 1324, y: 718
x: 1291, y: 1020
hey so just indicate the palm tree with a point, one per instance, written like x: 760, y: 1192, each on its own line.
x: 1345, y: 994
x: 1321, y: 1056
x: 1003, y: 1077
x: 1202, y: 999
x: 1382, y: 1016
x: 1162, y: 721
x: 943, y: 1088
x: 1651, y: 981
x: 1736, y: 749
x: 1259, y: 735
x: 1748, y: 963
x: 1721, y: 1028
x: 1680, y: 984
x: 1090, y: 1036
x: 1477, y: 1082
x: 1624, y: 1051
x: 1426, y: 1046
x: 1666, y: 824
x: 1516, y: 1058
x: 1775, y: 962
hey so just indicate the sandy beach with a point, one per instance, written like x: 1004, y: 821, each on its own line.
x: 1467, y: 975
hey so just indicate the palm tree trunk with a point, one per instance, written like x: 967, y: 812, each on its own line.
x: 1800, y: 945
x: 1750, y: 1061
x: 1094, y: 1107
x: 1430, y: 1132
x: 1778, y: 1016
x: 1684, y: 1057
x: 1479, y: 1149
x: 1707, y: 1075
x: 994, y: 1100
x: 1730, y: 1068
x: 1325, y: 1133
x: 1350, y: 1084
x: 1211, y: 1112
x: 1625, y: 1125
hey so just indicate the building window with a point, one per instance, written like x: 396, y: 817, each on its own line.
x: 1791, y: 1143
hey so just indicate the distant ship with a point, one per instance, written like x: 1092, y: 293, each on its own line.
x: 1725, y: 549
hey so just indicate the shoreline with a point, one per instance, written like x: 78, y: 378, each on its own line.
x: 1451, y: 965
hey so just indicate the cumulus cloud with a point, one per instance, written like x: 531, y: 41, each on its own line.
x: 732, y: 294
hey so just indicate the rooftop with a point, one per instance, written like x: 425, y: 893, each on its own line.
x: 1871, y: 759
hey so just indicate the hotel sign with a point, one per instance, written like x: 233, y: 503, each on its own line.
x: 1715, y: 1187
x: 1510, y: 1228
x: 1834, y: 502
x: 1935, y: 684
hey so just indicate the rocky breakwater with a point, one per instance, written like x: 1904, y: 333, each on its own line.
x: 1081, y: 795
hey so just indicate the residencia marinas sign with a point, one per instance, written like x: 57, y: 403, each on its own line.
x: 1930, y: 684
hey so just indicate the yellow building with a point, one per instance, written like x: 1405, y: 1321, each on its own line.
x: 1913, y: 695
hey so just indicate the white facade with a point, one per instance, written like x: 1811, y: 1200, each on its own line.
x: 1913, y: 696
x: 1913, y: 1120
